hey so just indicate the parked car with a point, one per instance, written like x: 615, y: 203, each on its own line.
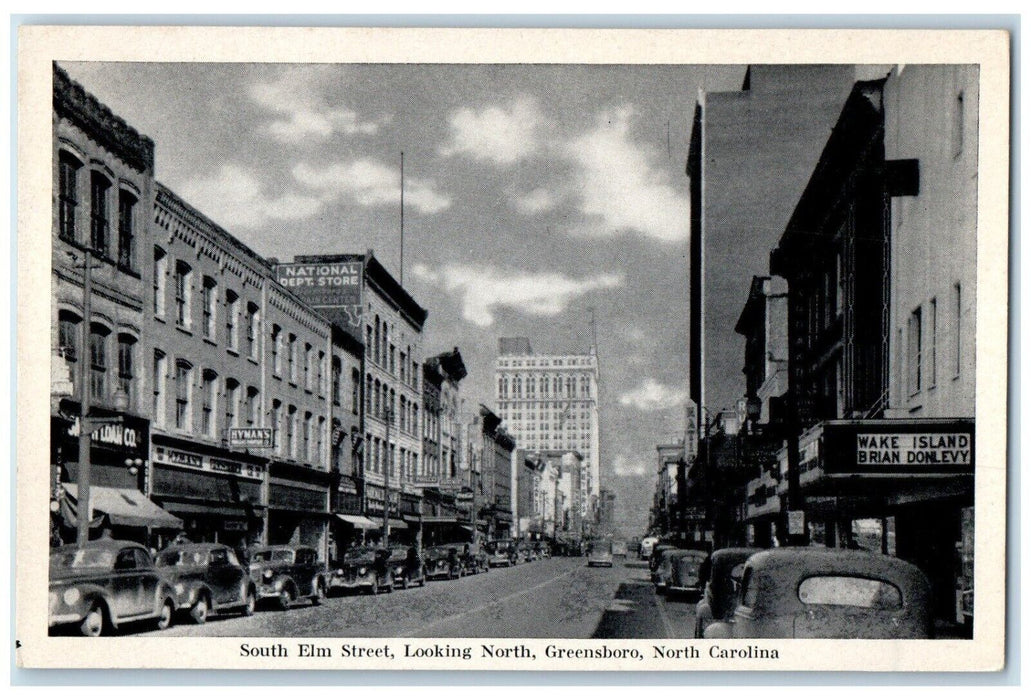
x: 501, y: 553
x: 287, y: 573
x: 723, y: 573
x: 662, y: 570
x: 207, y: 578
x: 443, y: 561
x: 406, y: 567
x: 362, y: 568
x: 647, y: 545
x: 812, y: 593
x: 656, y: 558
x: 543, y: 550
x: 474, y: 557
x: 619, y: 548
x: 599, y: 553
x: 104, y: 584
x: 686, y: 572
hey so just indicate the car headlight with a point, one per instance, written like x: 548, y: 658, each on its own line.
x: 71, y: 596
x: 267, y: 573
x: 340, y: 572
x: 362, y: 571
x: 179, y: 588
x: 441, y: 563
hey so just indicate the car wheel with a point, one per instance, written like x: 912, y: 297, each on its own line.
x: 199, y: 610
x: 404, y: 582
x: 250, y: 603
x: 164, y: 620
x: 94, y: 623
x: 390, y: 586
x: 319, y: 594
x: 374, y: 589
x: 286, y: 598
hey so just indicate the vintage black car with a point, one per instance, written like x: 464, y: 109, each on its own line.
x: 443, y: 561
x: 207, y: 578
x: 721, y: 574
x: 287, y: 573
x: 686, y: 572
x: 502, y: 553
x: 96, y: 588
x: 365, y: 568
x: 475, y: 558
x: 814, y: 593
x: 406, y: 567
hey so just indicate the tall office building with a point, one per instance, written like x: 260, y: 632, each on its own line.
x: 550, y: 402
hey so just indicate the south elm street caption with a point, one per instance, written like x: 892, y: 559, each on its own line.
x: 306, y: 650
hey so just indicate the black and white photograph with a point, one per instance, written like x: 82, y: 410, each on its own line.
x: 398, y: 363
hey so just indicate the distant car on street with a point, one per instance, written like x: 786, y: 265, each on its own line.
x: 501, y: 553
x: 287, y: 573
x: 443, y: 561
x: 619, y: 548
x: 406, y: 567
x: 207, y: 578
x: 97, y: 588
x: 647, y: 544
x: 686, y: 572
x: 664, y: 570
x: 723, y: 572
x: 599, y: 553
x: 814, y: 593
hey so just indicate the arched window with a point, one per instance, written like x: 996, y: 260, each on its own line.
x: 183, y: 394
x: 98, y: 356
x: 127, y: 366
x: 209, y: 402
x: 127, y: 230
x: 67, y: 195
x: 232, y: 403
x: 100, y: 226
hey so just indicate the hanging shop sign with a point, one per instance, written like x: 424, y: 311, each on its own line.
x: 251, y: 437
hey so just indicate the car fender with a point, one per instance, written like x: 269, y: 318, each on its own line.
x: 90, y: 594
x: 191, y: 594
x: 282, y: 582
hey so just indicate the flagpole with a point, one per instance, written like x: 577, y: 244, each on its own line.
x: 401, y: 275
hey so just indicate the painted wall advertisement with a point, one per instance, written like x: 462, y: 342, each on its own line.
x: 334, y: 286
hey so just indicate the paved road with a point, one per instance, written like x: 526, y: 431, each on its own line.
x: 558, y: 598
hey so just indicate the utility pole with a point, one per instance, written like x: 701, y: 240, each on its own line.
x: 85, y: 429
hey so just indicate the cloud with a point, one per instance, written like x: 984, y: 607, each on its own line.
x: 370, y: 183
x: 622, y: 466
x: 500, y: 134
x: 297, y: 96
x: 483, y: 289
x: 536, y: 201
x: 620, y: 190
x: 653, y: 396
x: 235, y: 198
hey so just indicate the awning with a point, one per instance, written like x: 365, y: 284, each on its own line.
x: 395, y: 524
x: 358, y: 521
x: 227, y: 510
x: 127, y: 507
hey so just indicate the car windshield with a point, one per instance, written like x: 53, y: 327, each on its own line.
x: 280, y: 555
x: 851, y: 591
x: 360, y: 553
x: 180, y: 558
x: 83, y: 559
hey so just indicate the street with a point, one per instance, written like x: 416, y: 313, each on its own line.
x: 559, y: 597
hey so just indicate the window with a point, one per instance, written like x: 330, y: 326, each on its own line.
x: 501, y: 388
x: 98, y: 361
x: 208, y: 399
x: 368, y: 341
x: 277, y: 339
x: 253, y: 406
x: 403, y: 364
x: 253, y: 330
x: 182, y: 293
x: 126, y: 364
x: 913, y: 350
x: 183, y: 391
x: 377, y: 403
x: 307, y: 366
x: 320, y: 372
x: 160, y: 265
x: 335, y: 372
x: 291, y: 431
x: 850, y: 591
x: 392, y: 358
x: 209, y: 304
x: 319, y: 440
x: 932, y: 352
x: 126, y: 229
x: 415, y: 375
x: 356, y: 383
x: 306, y: 438
x: 957, y: 309
x: 276, y: 417
x: 99, y: 226
x: 232, y: 320
x: 68, y: 330
x: 232, y: 403
x: 291, y: 358
x: 159, y: 387
x: 368, y: 394
x: 67, y: 195
x: 376, y: 354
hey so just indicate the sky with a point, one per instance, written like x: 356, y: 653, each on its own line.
x: 532, y: 194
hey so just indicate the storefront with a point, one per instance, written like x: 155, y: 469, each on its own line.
x: 349, y: 527
x: 119, y: 474
x: 217, y: 493
x: 298, y: 502
x: 914, y: 477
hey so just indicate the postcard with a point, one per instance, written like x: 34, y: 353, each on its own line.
x: 512, y: 349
